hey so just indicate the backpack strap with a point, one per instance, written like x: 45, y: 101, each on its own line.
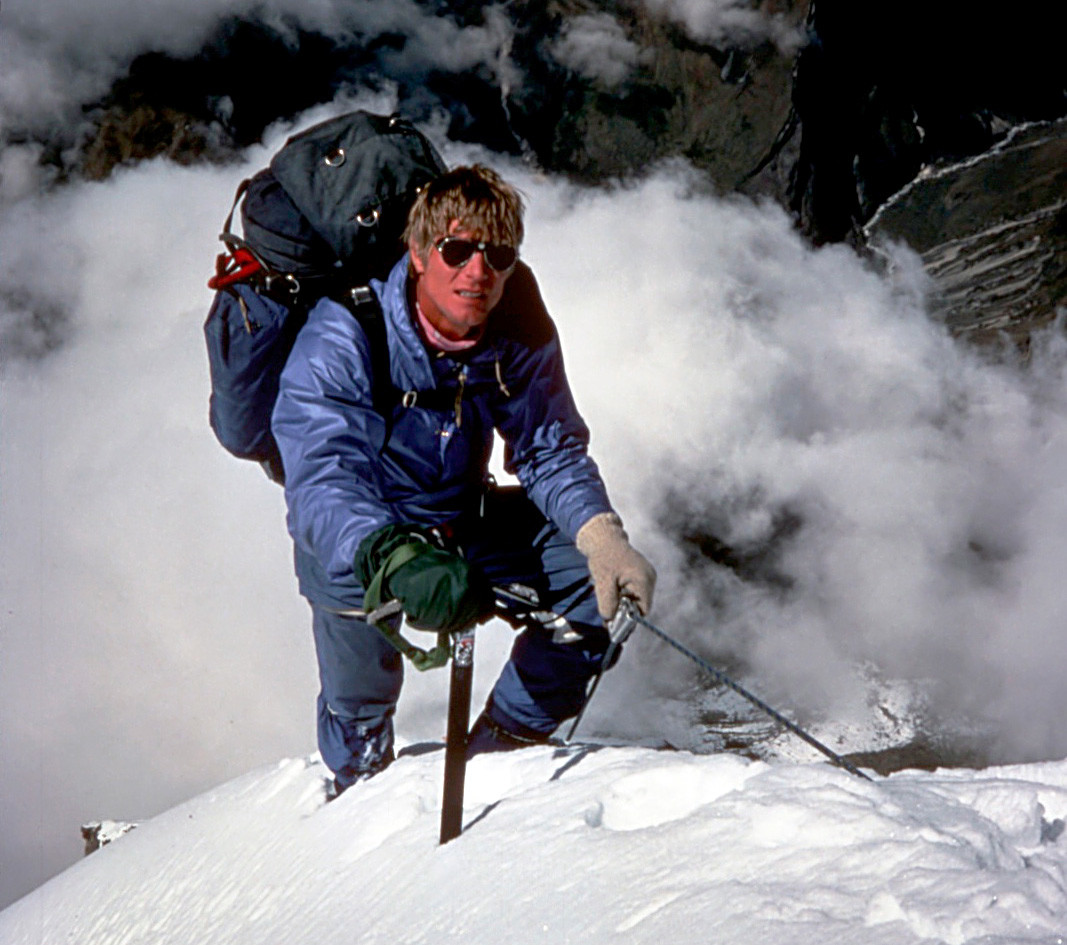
x: 363, y: 304
x: 241, y: 262
x: 227, y: 228
x: 386, y: 397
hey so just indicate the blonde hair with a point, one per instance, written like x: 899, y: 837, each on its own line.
x: 476, y: 197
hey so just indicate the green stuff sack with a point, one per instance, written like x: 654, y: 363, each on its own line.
x: 438, y: 589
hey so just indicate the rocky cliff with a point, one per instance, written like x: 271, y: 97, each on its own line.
x: 828, y: 108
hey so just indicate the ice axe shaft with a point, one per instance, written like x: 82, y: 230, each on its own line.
x: 511, y: 599
x: 459, y: 710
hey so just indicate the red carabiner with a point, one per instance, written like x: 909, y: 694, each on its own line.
x: 236, y: 266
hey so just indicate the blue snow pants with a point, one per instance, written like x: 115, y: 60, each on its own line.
x: 543, y: 682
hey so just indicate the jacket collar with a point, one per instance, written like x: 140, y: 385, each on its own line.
x: 408, y: 357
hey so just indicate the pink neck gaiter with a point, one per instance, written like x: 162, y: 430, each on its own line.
x: 439, y: 341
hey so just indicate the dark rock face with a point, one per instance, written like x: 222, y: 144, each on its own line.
x: 207, y: 106
x: 882, y: 92
x: 719, y: 107
x: 99, y: 833
x: 129, y: 134
x: 833, y: 112
x: 992, y: 233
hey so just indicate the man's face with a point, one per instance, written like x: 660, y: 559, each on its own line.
x: 457, y: 300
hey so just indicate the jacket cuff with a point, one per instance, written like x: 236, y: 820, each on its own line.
x: 601, y: 528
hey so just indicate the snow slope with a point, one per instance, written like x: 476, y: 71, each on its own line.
x: 583, y: 844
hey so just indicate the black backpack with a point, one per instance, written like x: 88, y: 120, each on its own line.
x: 322, y: 220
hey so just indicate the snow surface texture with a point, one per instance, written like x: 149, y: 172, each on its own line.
x: 582, y: 845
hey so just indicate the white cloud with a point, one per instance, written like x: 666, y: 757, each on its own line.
x: 733, y: 22
x: 597, y: 47
x: 58, y: 54
x: 723, y: 363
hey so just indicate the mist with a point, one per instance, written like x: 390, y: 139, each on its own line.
x: 596, y: 46
x: 729, y: 21
x: 897, y: 496
x: 58, y: 55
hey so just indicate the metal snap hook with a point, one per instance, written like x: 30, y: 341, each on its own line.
x: 291, y: 283
x: 369, y: 217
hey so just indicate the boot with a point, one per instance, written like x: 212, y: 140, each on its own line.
x: 487, y: 735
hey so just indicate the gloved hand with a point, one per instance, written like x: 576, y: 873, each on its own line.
x: 616, y: 568
x: 438, y: 589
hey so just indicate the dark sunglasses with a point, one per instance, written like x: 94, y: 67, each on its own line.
x: 457, y: 252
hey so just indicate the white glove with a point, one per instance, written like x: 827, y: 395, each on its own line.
x: 616, y: 568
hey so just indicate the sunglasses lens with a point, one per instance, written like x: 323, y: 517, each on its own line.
x: 500, y: 257
x: 456, y: 252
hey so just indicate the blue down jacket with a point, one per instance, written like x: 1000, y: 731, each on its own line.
x: 349, y: 470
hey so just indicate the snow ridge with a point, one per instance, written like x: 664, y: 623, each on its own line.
x: 582, y: 844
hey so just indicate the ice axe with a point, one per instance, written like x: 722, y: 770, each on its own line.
x: 509, y: 599
x: 459, y: 710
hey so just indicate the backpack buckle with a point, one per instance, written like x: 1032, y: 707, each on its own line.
x: 361, y: 294
x: 292, y: 284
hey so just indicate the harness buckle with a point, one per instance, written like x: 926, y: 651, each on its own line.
x: 361, y: 294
